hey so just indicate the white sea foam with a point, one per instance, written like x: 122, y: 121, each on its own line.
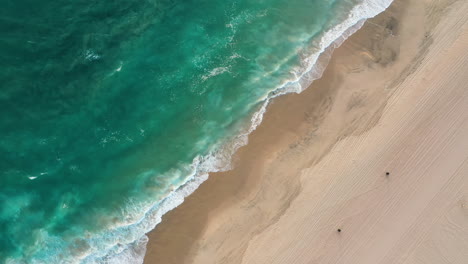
x: 215, y: 72
x: 127, y: 243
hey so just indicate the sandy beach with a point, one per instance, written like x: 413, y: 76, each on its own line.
x: 394, y: 98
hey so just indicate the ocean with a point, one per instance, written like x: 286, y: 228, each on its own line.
x: 113, y: 111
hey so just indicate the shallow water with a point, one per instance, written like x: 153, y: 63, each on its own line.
x: 106, y: 104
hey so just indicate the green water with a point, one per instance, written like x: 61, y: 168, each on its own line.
x: 105, y: 104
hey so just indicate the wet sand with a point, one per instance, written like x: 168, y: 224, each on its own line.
x: 394, y: 98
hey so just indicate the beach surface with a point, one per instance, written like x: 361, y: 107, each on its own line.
x: 394, y: 99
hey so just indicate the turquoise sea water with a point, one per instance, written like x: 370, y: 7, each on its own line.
x: 105, y: 105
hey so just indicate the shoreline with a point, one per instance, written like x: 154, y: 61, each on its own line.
x: 219, y: 159
x: 214, y: 162
x: 195, y: 225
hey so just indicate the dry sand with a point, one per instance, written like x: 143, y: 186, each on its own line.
x: 394, y: 98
